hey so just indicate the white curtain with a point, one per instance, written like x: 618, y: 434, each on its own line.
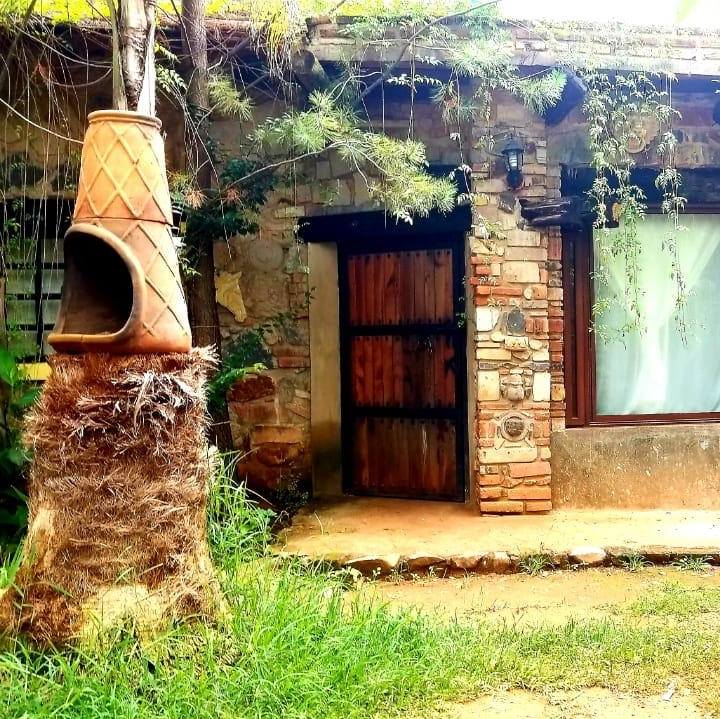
x: 653, y: 371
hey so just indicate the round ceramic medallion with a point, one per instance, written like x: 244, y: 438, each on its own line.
x: 265, y: 255
x: 514, y: 426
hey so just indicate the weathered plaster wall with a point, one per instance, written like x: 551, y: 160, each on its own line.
x: 325, y: 418
x: 647, y: 467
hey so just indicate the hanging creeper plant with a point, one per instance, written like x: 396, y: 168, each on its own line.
x: 619, y: 108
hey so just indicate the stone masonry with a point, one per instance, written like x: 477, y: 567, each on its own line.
x: 517, y: 289
x: 513, y: 272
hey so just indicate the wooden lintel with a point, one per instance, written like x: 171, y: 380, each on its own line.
x: 566, y: 212
x: 309, y: 72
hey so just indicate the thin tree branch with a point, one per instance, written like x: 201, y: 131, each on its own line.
x: 39, y: 127
x: 13, y: 46
x: 287, y: 161
x: 412, y: 38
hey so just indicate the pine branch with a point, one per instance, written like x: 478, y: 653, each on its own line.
x: 388, y: 71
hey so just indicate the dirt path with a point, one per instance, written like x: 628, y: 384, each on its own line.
x: 587, y: 704
x: 553, y: 597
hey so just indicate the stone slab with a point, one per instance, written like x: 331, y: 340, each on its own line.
x: 406, y: 535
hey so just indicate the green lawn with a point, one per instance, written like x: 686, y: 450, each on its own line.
x: 296, y: 646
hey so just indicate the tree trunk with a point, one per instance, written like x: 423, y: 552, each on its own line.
x: 200, y: 288
x: 117, y: 488
x: 133, y: 35
x: 119, y: 478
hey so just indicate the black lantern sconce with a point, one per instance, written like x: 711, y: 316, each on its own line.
x: 512, y: 151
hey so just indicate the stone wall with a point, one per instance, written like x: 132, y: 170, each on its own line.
x: 513, y: 273
x: 516, y: 277
x: 262, y: 282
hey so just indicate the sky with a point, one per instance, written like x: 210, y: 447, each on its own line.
x: 640, y: 12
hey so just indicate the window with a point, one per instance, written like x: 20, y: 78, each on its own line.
x: 32, y: 232
x: 657, y: 374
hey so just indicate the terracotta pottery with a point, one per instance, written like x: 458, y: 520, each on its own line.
x: 122, y: 290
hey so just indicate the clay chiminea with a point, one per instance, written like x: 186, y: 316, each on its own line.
x: 122, y: 291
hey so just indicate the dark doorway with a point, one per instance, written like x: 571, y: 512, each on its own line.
x: 402, y: 352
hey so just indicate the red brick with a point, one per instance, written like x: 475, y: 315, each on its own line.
x: 489, y: 480
x: 293, y: 362
x: 490, y: 492
x: 538, y: 506
x: 502, y: 507
x: 529, y: 492
x: 539, y: 292
x: 498, y: 291
x: 291, y: 350
x: 277, y: 434
x: 529, y: 469
x: 555, y: 325
x: 278, y: 455
x: 251, y: 387
x: 554, y: 248
x: 256, y: 412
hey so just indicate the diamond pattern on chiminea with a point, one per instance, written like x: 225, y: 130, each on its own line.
x: 122, y: 291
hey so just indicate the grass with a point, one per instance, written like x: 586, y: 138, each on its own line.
x: 672, y: 599
x: 297, y: 647
x: 692, y: 563
x: 633, y: 562
x: 535, y: 564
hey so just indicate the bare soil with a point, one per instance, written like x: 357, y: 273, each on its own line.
x: 586, y: 704
x: 550, y: 598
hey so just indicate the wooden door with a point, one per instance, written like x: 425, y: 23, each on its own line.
x: 403, y: 367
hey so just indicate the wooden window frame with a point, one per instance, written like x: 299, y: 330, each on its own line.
x: 579, y: 341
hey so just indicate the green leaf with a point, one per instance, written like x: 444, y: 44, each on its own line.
x: 8, y: 367
x: 14, y: 456
x: 27, y: 399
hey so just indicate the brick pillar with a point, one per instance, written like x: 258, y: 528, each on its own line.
x: 517, y: 289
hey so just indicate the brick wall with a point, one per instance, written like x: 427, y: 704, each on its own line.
x: 513, y: 271
x: 517, y: 289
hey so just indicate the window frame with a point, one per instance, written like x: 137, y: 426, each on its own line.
x: 44, y: 220
x: 579, y: 341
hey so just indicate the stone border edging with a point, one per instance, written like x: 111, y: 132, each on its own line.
x: 502, y: 562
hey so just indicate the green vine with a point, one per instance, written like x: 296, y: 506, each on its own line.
x: 617, y: 108
x: 247, y: 354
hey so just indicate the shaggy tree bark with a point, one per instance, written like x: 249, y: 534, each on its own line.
x: 200, y: 288
x: 120, y: 472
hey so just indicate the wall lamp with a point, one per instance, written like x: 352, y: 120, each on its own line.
x: 513, y: 151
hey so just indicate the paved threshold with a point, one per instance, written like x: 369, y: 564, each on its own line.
x: 382, y: 536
